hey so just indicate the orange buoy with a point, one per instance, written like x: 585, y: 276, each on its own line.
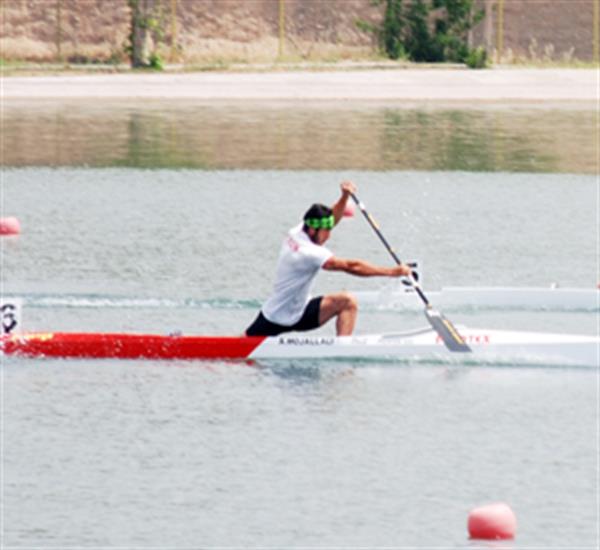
x: 492, y: 521
x: 9, y: 226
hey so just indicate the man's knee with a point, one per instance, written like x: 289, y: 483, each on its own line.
x: 334, y: 304
x: 348, y: 302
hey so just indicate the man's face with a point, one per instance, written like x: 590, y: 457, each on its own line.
x: 321, y: 235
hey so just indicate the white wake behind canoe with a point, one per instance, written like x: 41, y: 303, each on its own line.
x: 536, y: 298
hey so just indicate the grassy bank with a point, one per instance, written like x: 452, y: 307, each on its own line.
x: 25, y: 68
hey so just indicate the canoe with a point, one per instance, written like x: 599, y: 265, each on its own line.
x: 488, y: 346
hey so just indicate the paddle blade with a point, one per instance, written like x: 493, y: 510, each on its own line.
x: 446, y: 331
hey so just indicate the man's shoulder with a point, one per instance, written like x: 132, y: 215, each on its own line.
x: 299, y: 236
x: 297, y: 230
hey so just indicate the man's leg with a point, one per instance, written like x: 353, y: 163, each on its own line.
x: 344, y: 307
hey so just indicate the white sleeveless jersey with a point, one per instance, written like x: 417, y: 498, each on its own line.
x: 299, y: 262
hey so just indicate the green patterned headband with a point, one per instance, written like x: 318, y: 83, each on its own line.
x: 321, y: 223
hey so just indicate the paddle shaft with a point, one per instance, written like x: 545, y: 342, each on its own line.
x: 387, y: 245
x: 444, y: 328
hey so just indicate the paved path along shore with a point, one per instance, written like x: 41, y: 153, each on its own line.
x: 411, y: 85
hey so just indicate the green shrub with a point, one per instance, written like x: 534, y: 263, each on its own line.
x: 428, y: 30
x: 156, y: 62
x: 477, y: 58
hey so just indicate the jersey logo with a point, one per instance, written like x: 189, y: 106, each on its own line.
x: 293, y: 244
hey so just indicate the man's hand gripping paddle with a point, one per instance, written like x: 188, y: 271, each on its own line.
x: 444, y: 328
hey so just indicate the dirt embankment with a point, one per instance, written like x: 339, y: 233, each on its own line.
x: 213, y: 31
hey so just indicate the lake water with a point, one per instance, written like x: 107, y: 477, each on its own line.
x: 159, y: 218
x: 317, y: 136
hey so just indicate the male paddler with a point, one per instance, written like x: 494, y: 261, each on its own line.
x: 290, y: 307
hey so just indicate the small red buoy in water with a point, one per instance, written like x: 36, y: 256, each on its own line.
x: 492, y: 521
x: 349, y: 210
x: 9, y: 226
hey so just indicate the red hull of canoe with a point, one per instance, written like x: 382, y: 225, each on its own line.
x: 129, y: 346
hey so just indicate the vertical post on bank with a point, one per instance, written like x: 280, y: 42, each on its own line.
x: 281, y: 27
x: 173, y: 29
x: 470, y: 33
x: 500, y: 33
x: 58, y: 36
x: 596, y: 23
x: 488, y: 27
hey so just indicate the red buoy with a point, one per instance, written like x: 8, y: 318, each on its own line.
x: 492, y: 521
x: 9, y: 226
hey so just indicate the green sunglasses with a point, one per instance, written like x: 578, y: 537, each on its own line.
x: 321, y: 223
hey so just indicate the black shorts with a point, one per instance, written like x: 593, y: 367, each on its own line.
x: 309, y: 321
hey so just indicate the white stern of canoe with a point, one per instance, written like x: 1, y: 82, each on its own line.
x: 425, y: 345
